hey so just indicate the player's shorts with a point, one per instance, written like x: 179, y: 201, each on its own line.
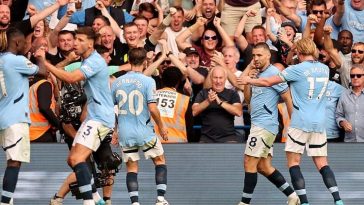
x: 231, y: 16
x: 151, y: 149
x: 260, y: 142
x: 15, y: 142
x: 91, y: 134
x: 315, y: 142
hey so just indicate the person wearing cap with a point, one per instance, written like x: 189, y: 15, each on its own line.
x: 193, y: 61
x: 284, y: 40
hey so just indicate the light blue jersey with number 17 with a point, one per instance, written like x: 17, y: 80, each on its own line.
x: 132, y: 93
x: 308, y: 83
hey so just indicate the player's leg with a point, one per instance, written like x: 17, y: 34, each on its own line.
x: 154, y: 150
x: 318, y: 150
x: 87, y: 140
x: 274, y: 175
x: 257, y: 147
x: 132, y: 181
x: 295, y: 146
x: 16, y: 144
x: 131, y: 157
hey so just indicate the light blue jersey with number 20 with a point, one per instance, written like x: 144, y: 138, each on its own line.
x: 131, y: 93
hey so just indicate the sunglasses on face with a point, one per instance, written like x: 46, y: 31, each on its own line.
x: 357, y: 51
x: 206, y: 38
x: 317, y: 12
x: 167, y: 62
x: 356, y: 75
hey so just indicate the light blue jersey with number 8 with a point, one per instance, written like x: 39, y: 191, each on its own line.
x: 308, y: 83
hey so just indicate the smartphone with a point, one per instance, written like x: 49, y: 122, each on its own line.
x: 281, y: 30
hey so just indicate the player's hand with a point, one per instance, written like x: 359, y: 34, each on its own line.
x: 346, y: 126
x: 163, y: 132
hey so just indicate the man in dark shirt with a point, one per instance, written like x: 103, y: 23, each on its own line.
x: 217, y: 107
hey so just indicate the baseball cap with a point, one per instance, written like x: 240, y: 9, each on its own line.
x: 190, y: 50
x: 290, y: 24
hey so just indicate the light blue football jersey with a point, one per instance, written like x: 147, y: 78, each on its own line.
x: 264, y: 100
x: 14, y: 89
x: 132, y: 93
x: 333, y: 94
x: 99, y: 100
x: 308, y: 83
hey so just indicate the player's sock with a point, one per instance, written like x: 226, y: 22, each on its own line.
x: 83, y: 176
x: 298, y: 183
x: 250, y: 181
x: 161, y: 179
x: 9, y: 183
x: 330, y: 182
x: 132, y: 185
x: 280, y: 182
x: 106, y: 198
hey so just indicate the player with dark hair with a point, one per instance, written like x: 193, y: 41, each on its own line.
x: 134, y: 93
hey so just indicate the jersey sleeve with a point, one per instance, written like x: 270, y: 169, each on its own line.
x: 24, y: 66
x: 292, y: 73
x: 89, y: 70
x: 281, y: 87
x: 151, y: 91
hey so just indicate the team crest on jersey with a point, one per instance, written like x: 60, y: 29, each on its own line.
x: 28, y: 63
x: 87, y: 68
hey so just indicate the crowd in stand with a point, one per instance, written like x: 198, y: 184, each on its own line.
x: 196, y: 38
x: 204, y: 71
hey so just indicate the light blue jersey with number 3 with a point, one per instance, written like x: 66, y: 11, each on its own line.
x: 308, y: 83
x: 132, y: 93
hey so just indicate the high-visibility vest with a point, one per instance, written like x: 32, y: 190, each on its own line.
x: 39, y: 124
x: 172, y: 107
x: 282, y: 109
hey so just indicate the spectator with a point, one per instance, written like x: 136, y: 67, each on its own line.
x: 351, y: 18
x: 258, y: 34
x: 99, y: 22
x: 234, y: 10
x: 349, y: 111
x: 210, y: 41
x: 333, y: 93
x: 172, y: 106
x: 87, y: 16
x: 217, y: 107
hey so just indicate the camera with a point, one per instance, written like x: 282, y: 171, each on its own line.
x: 71, y: 103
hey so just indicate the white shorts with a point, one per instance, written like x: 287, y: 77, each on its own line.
x: 151, y: 149
x: 260, y: 142
x: 15, y: 142
x: 90, y: 134
x: 315, y: 142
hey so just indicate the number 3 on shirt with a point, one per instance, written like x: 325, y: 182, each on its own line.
x: 313, y: 82
x: 135, y: 103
